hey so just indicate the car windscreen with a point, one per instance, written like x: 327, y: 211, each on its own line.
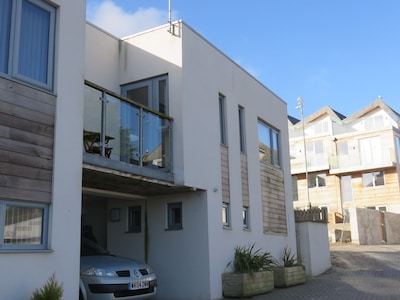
x: 89, y: 247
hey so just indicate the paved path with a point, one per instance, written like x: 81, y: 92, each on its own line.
x: 358, y: 272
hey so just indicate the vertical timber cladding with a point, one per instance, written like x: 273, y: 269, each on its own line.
x: 273, y: 200
x: 245, y: 179
x: 26, y: 142
x: 225, y: 174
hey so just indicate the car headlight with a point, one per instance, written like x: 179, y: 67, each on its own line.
x: 149, y: 270
x: 99, y: 273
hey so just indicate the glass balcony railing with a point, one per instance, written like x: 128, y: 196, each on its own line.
x: 124, y: 131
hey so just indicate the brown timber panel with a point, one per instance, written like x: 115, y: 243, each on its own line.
x: 273, y: 200
x: 225, y: 174
x: 26, y: 142
x: 245, y: 180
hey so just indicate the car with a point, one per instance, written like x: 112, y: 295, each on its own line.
x: 108, y: 277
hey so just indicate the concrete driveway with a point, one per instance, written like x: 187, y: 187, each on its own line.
x: 358, y: 272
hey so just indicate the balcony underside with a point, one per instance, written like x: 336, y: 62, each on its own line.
x: 100, y: 178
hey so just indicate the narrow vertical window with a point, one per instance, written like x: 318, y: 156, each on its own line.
x: 241, y: 130
x: 226, y: 215
x: 134, y: 219
x: 245, y: 217
x: 268, y: 144
x: 222, y: 119
x: 295, y: 188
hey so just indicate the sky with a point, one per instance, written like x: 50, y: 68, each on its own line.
x: 338, y: 53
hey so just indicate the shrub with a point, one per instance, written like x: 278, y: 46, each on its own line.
x: 51, y: 290
x: 248, y: 260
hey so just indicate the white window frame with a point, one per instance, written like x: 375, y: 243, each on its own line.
x: 316, y: 181
x: 24, y: 247
x: 12, y: 71
x: 246, y: 217
x: 374, y: 179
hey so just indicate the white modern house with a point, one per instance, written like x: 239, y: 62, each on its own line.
x: 171, y: 151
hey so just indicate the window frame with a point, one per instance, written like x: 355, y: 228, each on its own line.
x: 44, y: 227
x: 226, y: 215
x: 316, y: 181
x: 222, y: 120
x: 246, y: 217
x: 274, y: 140
x: 171, y: 211
x: 134, y: 225
x: 14, y: 45
x: 374, y: 179
x: 242, y: 135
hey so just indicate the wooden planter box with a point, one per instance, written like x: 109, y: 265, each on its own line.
x: 288, y: 276
x: 238, y: 285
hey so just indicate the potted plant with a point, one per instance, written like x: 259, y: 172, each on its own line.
x: 252, y: 274
x: 289, y: 271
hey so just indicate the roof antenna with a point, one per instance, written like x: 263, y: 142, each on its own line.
x: 169, y: 16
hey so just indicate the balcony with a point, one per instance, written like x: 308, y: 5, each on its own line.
x: 381, y: 158
x: 121, y: 135
x: 315, y: 162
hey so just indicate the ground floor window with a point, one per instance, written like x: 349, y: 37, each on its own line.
x: 245, y: 216
x: 174, y: 216
x: 226, y: 215
x: 23, y: 226
x: 372, y: 179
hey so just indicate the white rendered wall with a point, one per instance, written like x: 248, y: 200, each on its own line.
x: 28, y: 271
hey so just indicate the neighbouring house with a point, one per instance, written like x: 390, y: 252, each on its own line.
x: 167, y: 148
x: 352, y: 162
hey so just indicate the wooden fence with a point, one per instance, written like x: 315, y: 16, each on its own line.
x: 313, y: 214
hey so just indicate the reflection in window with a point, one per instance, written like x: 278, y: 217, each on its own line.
x: 268, y: 144
x: 316, y: 180
x: 23, y: 226
x: 372, y: 179
x: 225, y: 214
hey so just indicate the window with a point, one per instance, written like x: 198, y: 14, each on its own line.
x: 316, y: 180
x: 245, y: 217
x: 23, y: 226
x: 372, y: 179
x: 175, y: 216
x: 241, y: 130
x: 222, y: 120
x: 268, y: 144
x: 398, y: 149
x: 295, y: 188
x: 370, y: 150
x: 134, y: 219
x: 27, y: 30
x: 152, y: 93
x: 226, y: 215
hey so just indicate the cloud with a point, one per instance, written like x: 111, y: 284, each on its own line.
x: 112, y: 18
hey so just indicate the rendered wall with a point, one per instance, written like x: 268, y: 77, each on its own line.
x: 28, y: 271
x: 313, y: 247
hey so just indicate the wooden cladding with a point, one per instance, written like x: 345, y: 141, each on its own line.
x: 225, y: 174
x: 26, y: 142
x: 273, y: 200
x: 245, y: 180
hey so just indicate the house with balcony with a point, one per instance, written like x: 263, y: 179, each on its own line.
x: 167, y: 148
x: 351, y: 162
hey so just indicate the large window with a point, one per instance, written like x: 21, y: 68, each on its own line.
x: 372, y: 179
x: 27, y: 41
x: 23, y: 226
x: 268, y: 144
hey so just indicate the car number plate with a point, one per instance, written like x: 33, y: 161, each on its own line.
x: 137, y: 285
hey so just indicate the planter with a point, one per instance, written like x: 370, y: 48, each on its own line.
x: 238, y: 285
x: 288, y: 276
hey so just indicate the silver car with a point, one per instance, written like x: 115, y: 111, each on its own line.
x: 108, y: 277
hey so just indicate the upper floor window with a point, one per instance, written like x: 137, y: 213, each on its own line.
x: 268, y: 144
x: 174, y: 216
x: 222, y: 119
x: 372, y: 179
x: 241, y: 130
x: 23, y: 226
x: 27, y: 30
x: 152, y: 93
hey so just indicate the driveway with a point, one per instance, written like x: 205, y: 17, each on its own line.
x: 358, y: 272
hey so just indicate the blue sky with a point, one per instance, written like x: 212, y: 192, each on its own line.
x: 341, y: 53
